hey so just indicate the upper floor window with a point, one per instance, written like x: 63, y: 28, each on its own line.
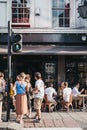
x: 20, y: 11
x: 61, y: 13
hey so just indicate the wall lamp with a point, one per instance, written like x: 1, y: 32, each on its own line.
x: 37, y: 12
x: 84, y: 38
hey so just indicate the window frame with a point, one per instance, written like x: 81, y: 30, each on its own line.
x: 66, y: 15
x: 23, y: 17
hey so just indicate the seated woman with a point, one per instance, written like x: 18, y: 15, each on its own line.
x: 67, y: 96
x: 60, y: 96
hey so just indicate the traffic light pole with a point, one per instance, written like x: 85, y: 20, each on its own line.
x: 9, y: 72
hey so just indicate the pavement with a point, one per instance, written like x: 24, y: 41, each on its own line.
x: 76, y: 120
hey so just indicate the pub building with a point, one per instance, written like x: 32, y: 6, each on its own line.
x: 53, y: 39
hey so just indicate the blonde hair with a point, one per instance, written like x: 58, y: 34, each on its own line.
x: 22, y: 75
x: 66, y: 84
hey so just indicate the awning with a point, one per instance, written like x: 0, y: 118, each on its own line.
x: 48, y: 50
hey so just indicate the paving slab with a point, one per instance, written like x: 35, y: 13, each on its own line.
x: 51, y: 121
x: 53, y: 128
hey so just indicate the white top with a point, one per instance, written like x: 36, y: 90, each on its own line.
x: 2, y: 85
x: 66, y: 94
x: 50, y: 91
x: 40, y: 85
x: 75, y: 92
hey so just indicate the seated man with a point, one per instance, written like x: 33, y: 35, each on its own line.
x: 50, y: 92
x: 75, y: 94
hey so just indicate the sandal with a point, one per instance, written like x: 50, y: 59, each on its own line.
x: 17, y: 121
x: 21, y: 122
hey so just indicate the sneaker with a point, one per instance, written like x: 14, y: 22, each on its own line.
x: 30, y: 116
x: 37, y: 121
x: 35, y: 117
x: 17, y: 121
x: 26, y: 116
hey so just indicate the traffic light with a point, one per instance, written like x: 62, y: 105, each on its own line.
x: 16, y: 40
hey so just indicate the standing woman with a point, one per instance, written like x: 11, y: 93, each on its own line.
x: 2, y: 90
x: 21, y: 98
x: 67, y: 96
x: 29, y: 94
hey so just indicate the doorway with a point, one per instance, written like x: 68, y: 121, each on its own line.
x: 46, y: 65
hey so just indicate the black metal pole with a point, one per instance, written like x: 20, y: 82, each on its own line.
x: 9, y: 71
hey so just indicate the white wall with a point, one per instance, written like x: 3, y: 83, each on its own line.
x: 44, y: 20
x: 5, y: 12
x: 75, y: 20
x: 79, y: 21
x: 72, y: 13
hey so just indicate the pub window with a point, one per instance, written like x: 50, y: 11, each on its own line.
x: 20, y: 11
x: 61, y: 13
x: 76, y: 70
x: 50, y: 73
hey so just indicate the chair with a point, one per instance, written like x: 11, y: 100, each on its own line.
x: 49, y: 104
x: 69, y: 104
x: 75, y: 102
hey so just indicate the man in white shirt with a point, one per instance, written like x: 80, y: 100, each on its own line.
x: 38, y: 95
x: 76, y: 93
x: 50, y: 91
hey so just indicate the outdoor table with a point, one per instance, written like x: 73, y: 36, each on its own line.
x: 83, y: 97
